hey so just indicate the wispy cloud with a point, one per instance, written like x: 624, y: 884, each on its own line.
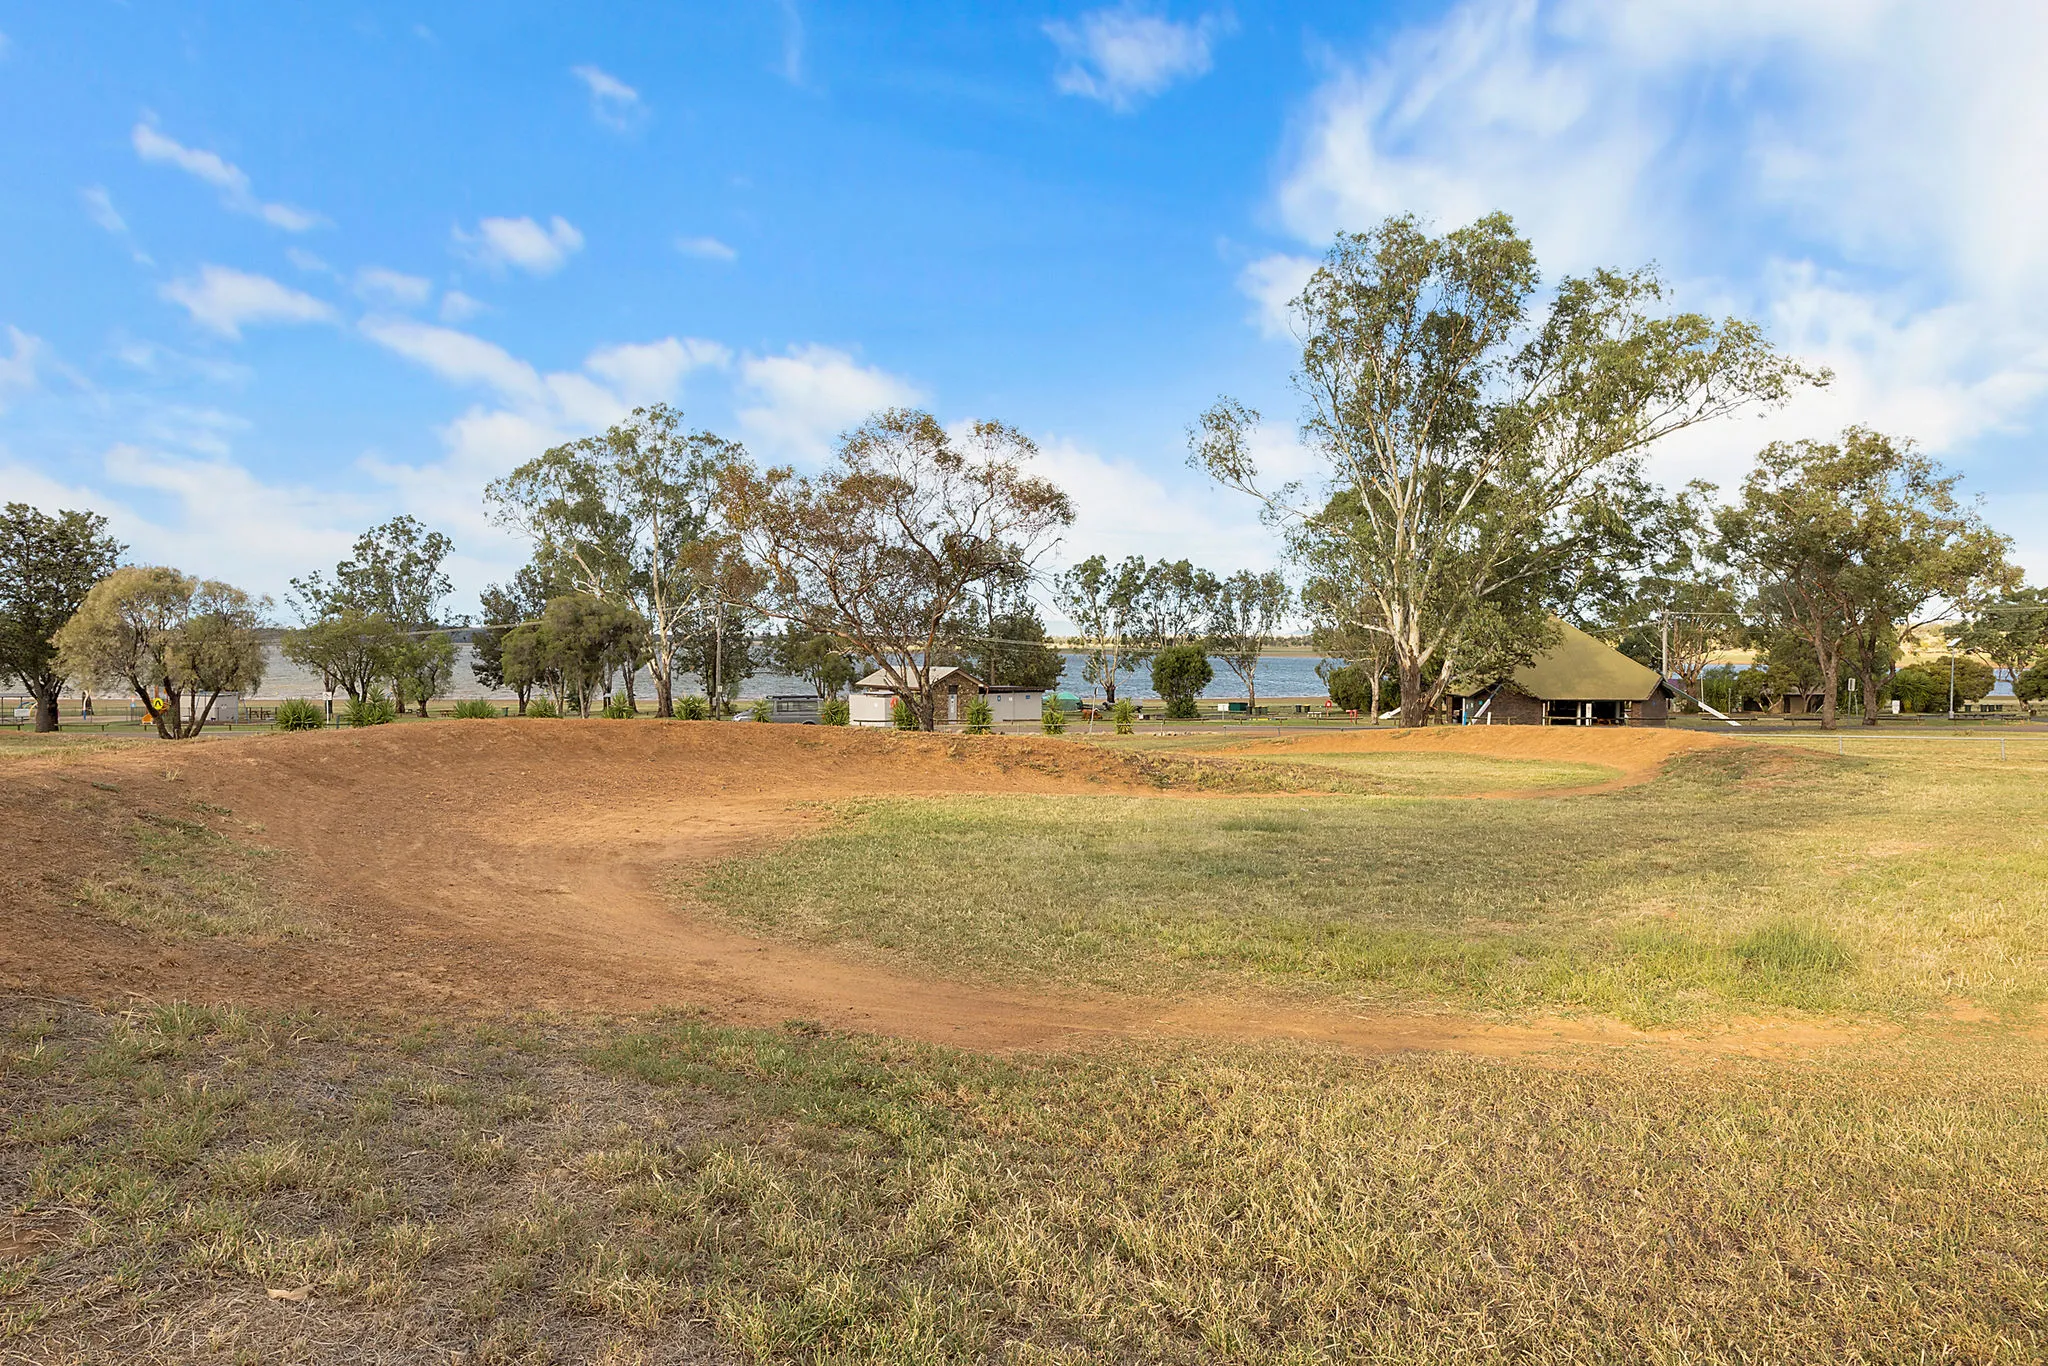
x: 224, y: 301
x: 613, y: 103
x: 223, y: 175
x: 100, y: 206
x: 382, y: 285
x: 19, y: 371
x: 1129, y: 53
x: 459, y: 307
x: 521, y: 243
x: 709, y: 248
x: 791, y: 67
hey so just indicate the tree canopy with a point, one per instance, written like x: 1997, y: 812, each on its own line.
x: 47, y: 566
x: 170, y: 638
x: 1462, y: 428
x: 886, y: 547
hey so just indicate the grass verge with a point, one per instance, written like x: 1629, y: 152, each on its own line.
x: 661, y: 1190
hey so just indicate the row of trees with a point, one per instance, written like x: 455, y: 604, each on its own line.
x: 1482, y: 448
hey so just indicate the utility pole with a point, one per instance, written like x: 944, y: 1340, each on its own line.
x: 1951, y: 684
x: 1667, y: 644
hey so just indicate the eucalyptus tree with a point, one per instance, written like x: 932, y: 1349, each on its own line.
x: 1462, y: 423
x: 1106, y: 604
x: 170, y: 638
x: 506, y: 607
x: 885, y: 547
x: 380, y: 609
x: 47, y: 566
x: 1177, y: 604
x: 2012, y: 632
x: 614, y: 516
x: 1245, y: 614
x: 1846, y: 543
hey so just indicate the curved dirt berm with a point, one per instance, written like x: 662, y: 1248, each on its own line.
x: 494, y: 866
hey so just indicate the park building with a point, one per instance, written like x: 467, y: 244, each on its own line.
x: 1578, y: 681
x: 873, y: 702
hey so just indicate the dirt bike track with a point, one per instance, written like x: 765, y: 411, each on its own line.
x: 483, y: 867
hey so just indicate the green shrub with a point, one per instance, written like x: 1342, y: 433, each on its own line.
x: 475, y: 709
x: 620, y: 708
x: 904, y: 717
x: 375, y: 709
x: 981, y: 717
x: 761, y: 711
x: 837, y: 711
x: 296, y: 713
x: 543, y: 707
x: 1052, y: 717
x: 1179, y: 673
x: 1124, y: 715
x: 693, y: 708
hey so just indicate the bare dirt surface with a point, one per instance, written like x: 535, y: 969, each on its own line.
x: 485, y: 867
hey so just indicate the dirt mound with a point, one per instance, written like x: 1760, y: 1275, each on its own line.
x: 1637, y: 755
x: 481, y: 866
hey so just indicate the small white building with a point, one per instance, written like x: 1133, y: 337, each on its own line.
x: 873, y: 702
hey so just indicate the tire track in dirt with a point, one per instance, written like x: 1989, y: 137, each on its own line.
x: 486, y: 867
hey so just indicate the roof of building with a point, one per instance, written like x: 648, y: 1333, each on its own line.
x: 880, y: 679
x: 1581, y: 669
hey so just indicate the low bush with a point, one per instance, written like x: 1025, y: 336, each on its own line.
x: 981, y: 718
x: 761, y: 711
x: 1124, y: 715
x: 904, y: 717
x: 475, y: 709
x: 375, y: 709
x: 1179, y: 673
x: 693, y: 708
x: 543, y: 707
x: 837, y: 711
x: 297, y: 713
x: 1052, y: 717
x: 620, y: 708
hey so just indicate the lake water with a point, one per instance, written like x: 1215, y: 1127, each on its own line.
x: 1278, y: 675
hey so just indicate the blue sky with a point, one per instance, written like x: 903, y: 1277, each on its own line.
x: 274, y: 273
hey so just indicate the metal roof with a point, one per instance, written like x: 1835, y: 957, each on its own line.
x: 879, y: 679
x: 1580, y: 668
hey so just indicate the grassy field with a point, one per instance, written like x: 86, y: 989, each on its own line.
x: 197, y: 1184
x: 182, y: 1183
x: 1768, y: 878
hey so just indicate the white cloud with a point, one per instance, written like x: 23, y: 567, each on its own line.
x: 457, y: 357
x: 18, y: 371
x: 1126, y: 54
x: 100, y: 205
x: 521, y: 243
x: 224, y: 300
x: 393, y: 287
x: 223, y: 175
x: 613, y: 103
x: 650, y: 372
x: 710, y: 248
x: 1271, y: 283
x: 806, y: 397
x: 1123, y: 508
x: 1863, y: 177
x: 459, y: 307
x: 308, y: 261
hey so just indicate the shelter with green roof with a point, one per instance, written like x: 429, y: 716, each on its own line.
x: 1579, y: 681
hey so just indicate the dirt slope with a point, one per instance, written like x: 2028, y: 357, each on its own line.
x: 506, y: 865
x: 1636, y: 755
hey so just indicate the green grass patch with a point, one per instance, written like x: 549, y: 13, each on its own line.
x: 659, y: 1190
x: 1746, y: 878
x: 188, y: 880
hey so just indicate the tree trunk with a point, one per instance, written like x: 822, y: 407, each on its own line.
x: 1373, y: 688
x: 1831, y: 679
x: 1414, y: 710
x: 1869, y: 681
x: 46, y: 709
x: 664, y: 695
